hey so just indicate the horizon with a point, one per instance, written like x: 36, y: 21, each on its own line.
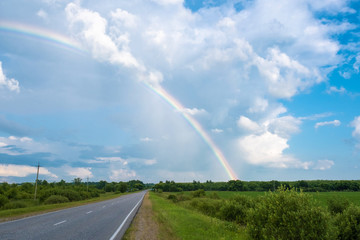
x: 152, y: 90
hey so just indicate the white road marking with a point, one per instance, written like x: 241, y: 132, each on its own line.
x: 89, y: 212
x: 104, y: 206
x: 59, y: 223
x: 122, y: 224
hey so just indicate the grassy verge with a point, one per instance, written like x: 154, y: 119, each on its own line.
x: 184, y: 223
x: 12, y: 214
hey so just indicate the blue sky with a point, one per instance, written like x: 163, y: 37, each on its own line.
x: 275, y: 84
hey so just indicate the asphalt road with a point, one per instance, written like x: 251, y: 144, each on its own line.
x: 103, y: 220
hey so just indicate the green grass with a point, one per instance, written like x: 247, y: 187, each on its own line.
x: 323, y: 197
x: 320, y: 197
x: 188, y: 224
x: 11, y: 214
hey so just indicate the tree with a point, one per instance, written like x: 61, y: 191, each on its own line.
x: 77, y: 181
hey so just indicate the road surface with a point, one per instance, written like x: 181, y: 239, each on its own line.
x: 103, y: 220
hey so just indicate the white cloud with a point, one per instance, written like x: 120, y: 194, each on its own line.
x: 150, y: 162
x: 323, y: 165
x: 122, y: 175
x: 146, y: 139
x: 79, y: 172
x: 260, y: 105
x: 356, y: 124
x: 124, y: 18
x: 284, y: 126
x: 11, y: 84
x: 42, y: 14
x: 333, y: 89
x: 217, y: 130
x: 335, y: 123
x: 267, y: 149
x: 193, y: 111
x: 92, y: 29
x: 248, y: 124
x: 168, y: 2
x: 316, y: 116
x: 11, y: 170
x: 357, y: 63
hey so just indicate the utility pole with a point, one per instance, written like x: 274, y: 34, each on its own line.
x: 87, y: 184
x: 37, y: 177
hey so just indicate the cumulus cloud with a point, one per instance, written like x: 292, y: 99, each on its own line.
x: 340, y: 90
x: 323, y: 164
x: 247, y: 124
x: 79, y: 172
x: 356, y: 124
x: 122, y: 174
x: 269, y: 50
x: 9, y: 83
x: 267, y: 150
x: 42, y: 14
x: 11, y: 170
x: 193, y: 111
x: 335, y: 123
x: 92, y: 29
x: 146, y: 139
x: 217, y: 130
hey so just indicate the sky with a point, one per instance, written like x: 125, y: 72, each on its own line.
x: 179, y: 90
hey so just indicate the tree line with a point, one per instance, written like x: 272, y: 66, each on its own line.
x: 261, y: 186
x: 23, y: 194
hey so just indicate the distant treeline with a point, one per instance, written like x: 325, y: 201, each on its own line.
x: 237, y: 185
x: 22, y: 195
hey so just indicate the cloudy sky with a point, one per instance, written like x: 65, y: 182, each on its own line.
x: 179, y: 90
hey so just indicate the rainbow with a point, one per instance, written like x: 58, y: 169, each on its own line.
x: 70, y: 44
x: 42, y: 34
x: 196, y: 125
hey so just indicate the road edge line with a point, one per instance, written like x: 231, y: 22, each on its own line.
x: 122, y: 224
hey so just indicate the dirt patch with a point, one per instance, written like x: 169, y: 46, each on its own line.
x: 144, y: 226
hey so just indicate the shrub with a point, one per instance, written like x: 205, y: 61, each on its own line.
x: 172, y: 197
x: 214, y: 195
x: 236, y: 209
x: 338, y: 205
x: 199, y: 193
x: 288, y: 215
x: 183, y: 197
x: 53, y: 199
x: 3, y: 200
x: 15, y: 204
x: 207, y: 206
x: 348, y: 223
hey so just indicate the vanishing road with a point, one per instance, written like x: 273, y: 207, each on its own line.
x: 103, y: 220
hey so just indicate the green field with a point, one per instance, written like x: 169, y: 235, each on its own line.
x: 320, y: 197
x: 185, y: 223
x: 176, y: 215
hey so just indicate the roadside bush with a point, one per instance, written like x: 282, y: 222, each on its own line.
x: 214, y: 195
x: 287, y: 215
x: 12, y: 193
x: 53, y: 199
x: 71, y: 195
x: 338, y: 205
x: 207, y: 206
x: 183, y: 197
x: 348, y: 223
x: 3, y: 200
x: 199, y: 193
x: 172, y: 197
x: 15, y: 204
x: 236, y: 209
